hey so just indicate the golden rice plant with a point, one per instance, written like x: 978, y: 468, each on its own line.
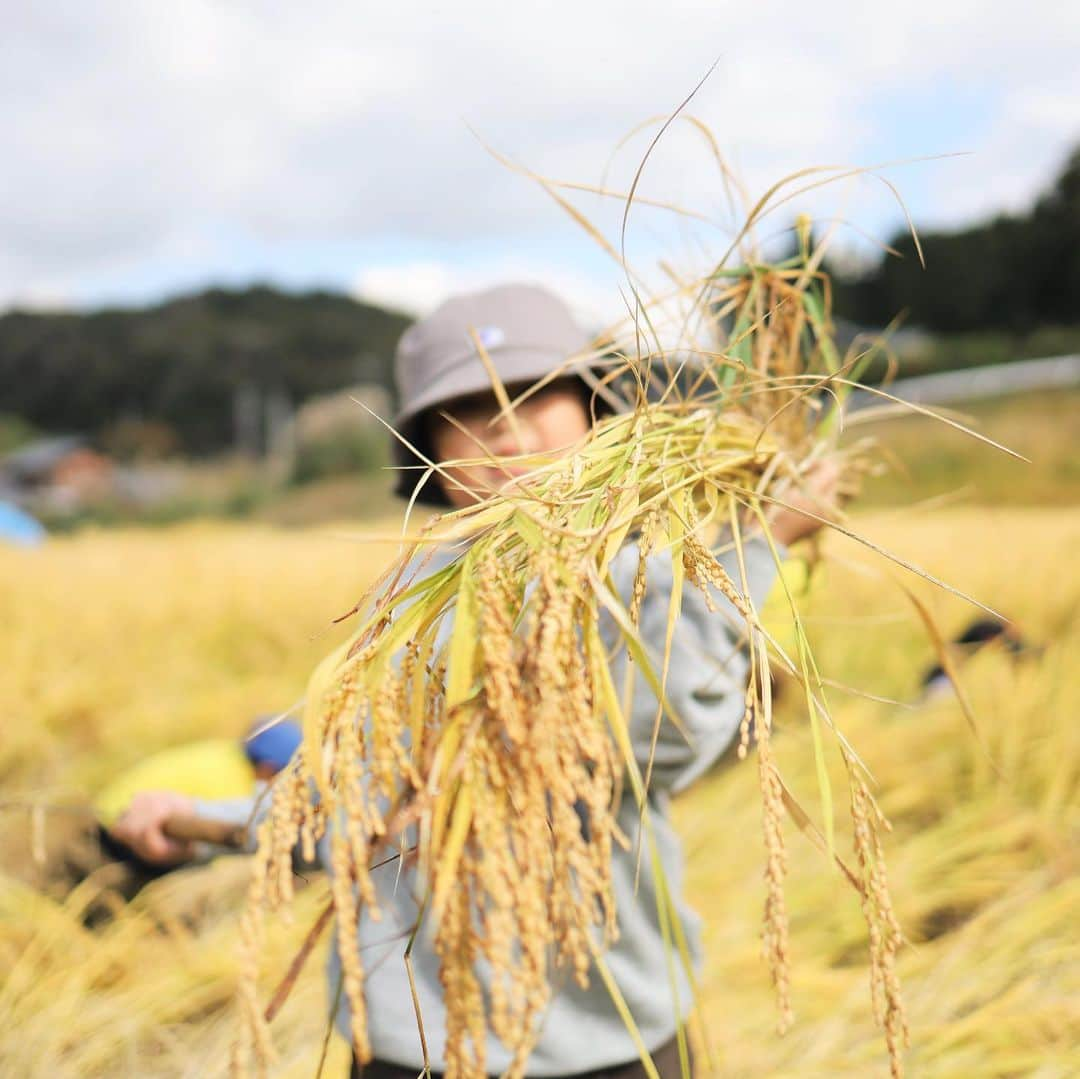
x: 485, y: 737
x: 475, y: 706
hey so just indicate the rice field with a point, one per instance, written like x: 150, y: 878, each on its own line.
x: 118, y: 643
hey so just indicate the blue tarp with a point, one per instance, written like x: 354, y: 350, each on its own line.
x: 18, y: 527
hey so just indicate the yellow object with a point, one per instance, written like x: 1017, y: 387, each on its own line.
x: 796, y: 573
x: 214, y: 768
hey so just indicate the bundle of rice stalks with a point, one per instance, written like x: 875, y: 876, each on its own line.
x: 473, y: 717
x: 474, y: 712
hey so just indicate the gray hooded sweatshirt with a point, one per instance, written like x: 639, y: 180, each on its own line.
x: 582, y: 1030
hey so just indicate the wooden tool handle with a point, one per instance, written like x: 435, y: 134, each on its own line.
x: 198, y: 829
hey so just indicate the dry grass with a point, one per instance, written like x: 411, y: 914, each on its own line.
x: 930, y: 460
x: 117, y: 643
x: 984, y: 870
x: 987, y: 868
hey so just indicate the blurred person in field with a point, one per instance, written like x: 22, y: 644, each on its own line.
x: 173, y: 782
x: 978, y: 635
x: 450, y: 413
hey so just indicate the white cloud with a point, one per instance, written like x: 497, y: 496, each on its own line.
x: 135, y: 131
x: 413, y: 287
x: 419, y: 287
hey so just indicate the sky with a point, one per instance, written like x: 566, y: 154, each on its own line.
x: 153, y: 148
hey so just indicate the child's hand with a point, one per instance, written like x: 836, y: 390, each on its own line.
x: 817, y: 493
x: 140, y: 827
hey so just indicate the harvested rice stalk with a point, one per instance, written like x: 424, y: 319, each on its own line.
x: 487, y: 741
x: 472, y: 723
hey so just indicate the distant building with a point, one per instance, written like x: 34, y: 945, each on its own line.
x: 31, y: 465
x: 62, y: 473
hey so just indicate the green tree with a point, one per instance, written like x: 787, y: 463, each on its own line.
x: 1012, y: 273
x: 183, y: 362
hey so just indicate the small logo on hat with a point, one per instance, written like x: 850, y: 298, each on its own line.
x: 491, y: 336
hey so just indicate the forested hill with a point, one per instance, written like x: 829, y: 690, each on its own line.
x: 1011, y: 274
x: 187, y: 363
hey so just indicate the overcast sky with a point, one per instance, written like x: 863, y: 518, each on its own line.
x: 152, y: 147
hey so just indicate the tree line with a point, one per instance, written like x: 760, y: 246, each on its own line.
x: 1013, y: 273
x: 187, y: 363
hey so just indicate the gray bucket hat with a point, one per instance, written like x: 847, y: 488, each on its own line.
x: 526, y: 331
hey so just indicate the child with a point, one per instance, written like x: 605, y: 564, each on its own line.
x: 527, y: 334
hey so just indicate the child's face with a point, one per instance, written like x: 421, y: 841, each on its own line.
x: 550, y: 421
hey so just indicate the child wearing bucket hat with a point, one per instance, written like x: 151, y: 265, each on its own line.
x: 450, y: 412
x: 526, y: 334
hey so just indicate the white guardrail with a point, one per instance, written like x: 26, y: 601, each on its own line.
x: 978, y: 383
